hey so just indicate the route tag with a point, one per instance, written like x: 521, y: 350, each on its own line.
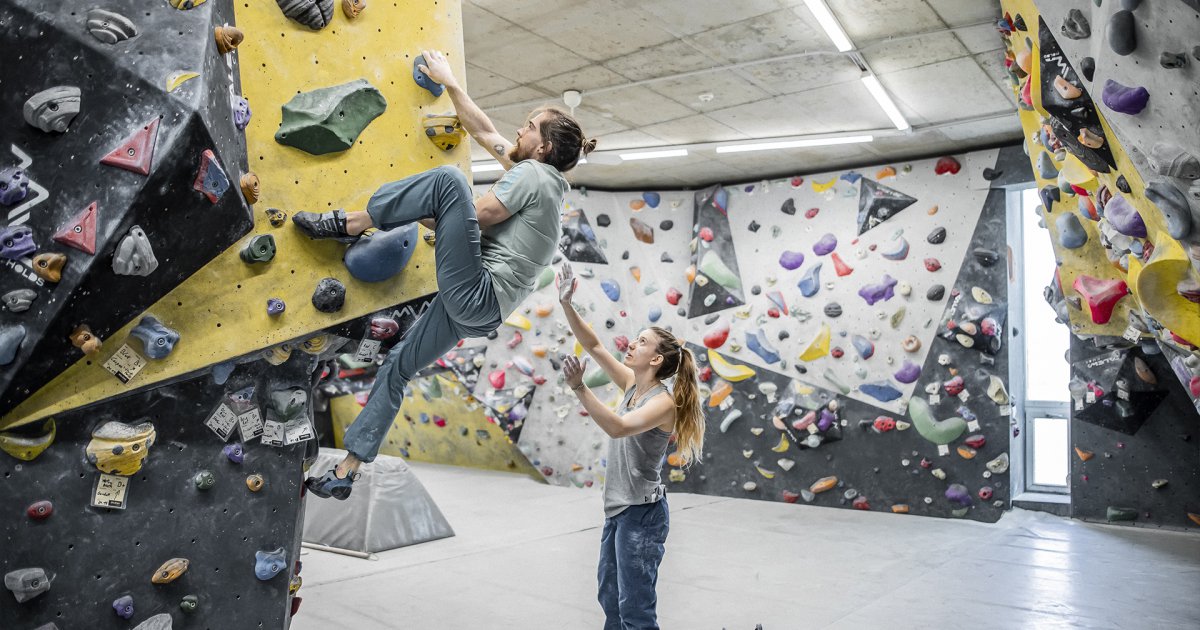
x: 109, y: 491
x: 222, y: 421
x: 125, y: 363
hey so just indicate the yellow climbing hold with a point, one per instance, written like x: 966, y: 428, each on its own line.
x: 783, y: 445
x: 1075, y: 172
x: 818, y: 347
x: 822, y: 187
x: 517, y: 320
x: 27, y: 448
x: 176, y: 79
x: 764, y: 472
x: 727, y: 370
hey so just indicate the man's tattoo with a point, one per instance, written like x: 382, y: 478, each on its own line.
x: 499, y: 148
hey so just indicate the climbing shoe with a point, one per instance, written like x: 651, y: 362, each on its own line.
x: 330, y: 485
x: 330, y: 224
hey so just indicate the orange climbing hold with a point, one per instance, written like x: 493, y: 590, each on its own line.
x: 720, y: 393
x: 1084, y: 455
x: 823, y: 484
x: 886, y: 172
x: 675, y: 459
x: 543, y: 310
x: 900, y: 508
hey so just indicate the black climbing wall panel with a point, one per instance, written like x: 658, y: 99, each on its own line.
x: 123, y: 86
x: 101, y: 554
x: 711, y: 222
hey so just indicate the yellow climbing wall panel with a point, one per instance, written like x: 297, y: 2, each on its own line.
x: 1089, y: 259
x: 483, y: 445
x: 220, y: 312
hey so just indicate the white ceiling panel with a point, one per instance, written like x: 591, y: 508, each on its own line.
x: 800, y: 75
x: 727, y: 88
x: 596, y: 29
x: 673, y: 57
x: 480, y: 82
x: 780, y: 32
x: 866, y: 20
x: 914, y: 52
x: 949, y: 90
x: 693, y: 129
x: 587, y: 78
x: 638, y: 105
x: 688, y: 17
x: 959, y: 13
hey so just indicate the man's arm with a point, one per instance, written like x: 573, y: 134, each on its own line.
x: 477, y: 124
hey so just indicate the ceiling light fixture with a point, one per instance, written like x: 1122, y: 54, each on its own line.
x: 830, y: 23
x: 881, y: 96
x: 793, y: 144
x: 651, y: 155
x: 572, y: 99
x: 485, y: 167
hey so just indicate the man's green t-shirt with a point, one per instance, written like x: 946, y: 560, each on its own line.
x: 516, y: 251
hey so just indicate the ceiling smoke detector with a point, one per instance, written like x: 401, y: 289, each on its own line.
x: 705, y: 97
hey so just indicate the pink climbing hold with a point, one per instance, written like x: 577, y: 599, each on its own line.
x: 673, y: 296
x: 861, y: 503
x: 932, y: 264
x: 496, y: 378
x: 955, y: 386
x: 840, y: 266
x: 706, y: 234
x: 716, y: 336
x: 797, y: 182
x: 440, y: 421
x: 811, y: 212
x: 1194, y: 386
x: 622, y: 343
x: 883, y: 424
x: 1101, y: 295
x: 515, y: 341
x: 705, y: 374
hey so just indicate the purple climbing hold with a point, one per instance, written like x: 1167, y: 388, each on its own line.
x: 241, y: 111
x: 1124, y: 217
x: 123, y: 606
x: 652, y: 199
x: 275, y: 306
x: 909, y: 372
x: 791, y: 260
x: 14, y: 185
x: 234, y: 452
x: 1124, y: 99
x: 826, y: 420
x: 811, y: 282
x: 611, y: 289
x: 880, y: 292
x: 16, y: 242
x: 825, y: 245
x: 958, y: 493
x: 882, y: 392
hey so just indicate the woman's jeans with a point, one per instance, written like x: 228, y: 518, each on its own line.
x: 631, y: 549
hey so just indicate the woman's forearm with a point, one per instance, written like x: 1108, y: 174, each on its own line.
x: 605, y: 418
x: 583, y: 333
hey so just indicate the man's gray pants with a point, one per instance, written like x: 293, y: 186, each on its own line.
x: 465, y: 305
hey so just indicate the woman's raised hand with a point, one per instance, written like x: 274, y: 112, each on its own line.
x: 567, y: 283
x: 573, y: 371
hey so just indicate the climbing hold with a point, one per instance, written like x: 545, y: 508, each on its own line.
x: 16, y: 242
x: 716, y: 335
x: 1174, y: 206
x: 382, y: 254
x: 642, y: 231
x: 932, y: 429
x: 935, y: 293
x: 52, y: 109
x: 315, y: 14
x: 28, y: 447
x: 1114, y: 513
x: 791, y: 260
x: 958, y: 493
x: 1101, y: 295
x: 10, y: 342
x: 423, y: 80
x: 727, y: 370
x: 810, y: 283
x: 840, y: 267
x: 1172, y: 61
x: 1071, y: 234
x: 27, y: 584
x: 1122, y: 33
x: 1075, y: 25
x: 1046, y: 168
x: 49, y: 266
x: 275, y: 307
x: 729, y: 418
x: 123, y: 606
x: 278, y: 218
x: 885, y: 172
x: 909, y: 372
x: 611, y: 289
x: 716, y: 269
x: 329, y: 119
x: 443, y: 130
x: 204, y: 480
x: 833, y: 310
x: 756, y: 342
x: 896, y: 249
x: 517, y: 320
x: 255, y: 482
x: 14, y: 186
x: 932, y: 264
x: 823, y: 484
x: 882, y: 291
x: 234, y: 452
x: 947, y: 164
x: 80, y: 231
x: 135, y: 153
x: 260, y: 249
x: 134, y: 256
x: 156, y: 338
x: 329, y: 295
x: 110, y: 27
x: 170, y: 571
x: 818, y: 347
x: 999, y: 465
x: 228, y: 38
x: 40, y: 510
x: 825, y: 245
x: 211, y: 180
x: 117, y: 448
x: 880, y: 391
x: 1171, y: 160
x: 1124, y: 217
x: 1123, y: 99
x: 864, y: 346
x: 241, y: 111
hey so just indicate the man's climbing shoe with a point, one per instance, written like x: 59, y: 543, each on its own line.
x: 330, y: 485
x: 330, y: 224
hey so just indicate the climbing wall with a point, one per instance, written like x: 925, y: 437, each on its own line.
x: 1105, y: 93
x: 909, y: 302
x: 180, y: 491
x: 280, y: 59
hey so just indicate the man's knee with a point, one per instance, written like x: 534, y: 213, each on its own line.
x: 452, y: 177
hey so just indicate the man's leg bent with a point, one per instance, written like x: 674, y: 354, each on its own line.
x: 431, y: 336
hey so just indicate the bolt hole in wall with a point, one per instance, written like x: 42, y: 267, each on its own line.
x: 1040, y: 378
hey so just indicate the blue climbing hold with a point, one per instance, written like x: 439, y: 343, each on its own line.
x: 1071, y: 234
x: 652, y: 199
x: 851, y: 176
x: 880, y: 391
x: 757, y: 342
x: 10, y: 342
x: 423, y: 79
x: 268, y: 564
x: 865, y: 348
x: 157, y: 340
x: 611, y: 289
x: 655, y: 314
x: 381, y: 254
x: 221, y: 371
x: 811, y: 282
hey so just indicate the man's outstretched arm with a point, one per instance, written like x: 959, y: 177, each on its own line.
x: 472, y: 118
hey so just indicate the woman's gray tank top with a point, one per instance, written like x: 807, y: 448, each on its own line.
x: 633, y: 476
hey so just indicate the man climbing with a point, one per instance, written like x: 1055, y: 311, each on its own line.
x: 489, y: 252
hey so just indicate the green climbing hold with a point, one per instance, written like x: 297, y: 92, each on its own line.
x: 932, y: 429
x: 545, y: 279
x: 713, y: 267
x: 1114, y: 513
x: 329, y: 119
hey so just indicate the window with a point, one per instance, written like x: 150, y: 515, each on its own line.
x: 1038, y: 356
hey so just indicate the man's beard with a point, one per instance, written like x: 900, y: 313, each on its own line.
x: 515, y: 154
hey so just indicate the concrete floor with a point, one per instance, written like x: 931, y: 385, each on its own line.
x: 525, y: 557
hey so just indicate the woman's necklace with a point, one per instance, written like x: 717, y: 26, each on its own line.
x: 636, y: 396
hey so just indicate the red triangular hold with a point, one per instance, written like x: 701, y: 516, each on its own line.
x: 136, y: 152
x: 80, y: 232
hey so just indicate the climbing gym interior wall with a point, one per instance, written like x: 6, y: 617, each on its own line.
x: 162, y: 328
x: 1107, y: 96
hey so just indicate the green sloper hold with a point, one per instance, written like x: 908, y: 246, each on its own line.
x: 716, y: 270
x: 329, y: 119
x: 545, y: 279
x: 598, y: 377
x: 932, y: 429
x: 1114, y: 513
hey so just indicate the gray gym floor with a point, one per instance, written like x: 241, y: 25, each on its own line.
x: 525, y: 557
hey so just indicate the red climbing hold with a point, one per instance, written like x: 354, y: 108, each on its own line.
x: 883, y: 424
x: 790, y: 497
x: 716, y: 336
x: 811, y: 212
x: 976, y: 441
x: 707, y: 234
x: 1101, y: 295
x: 932, y: 264
x: 947, y: 164
x: 135, y: 153
x: 955, y: 386
x: 440, y: 421
x: 621, y: 342
x: 496, y: 379
x: 861, y: 503
x: 837, y: 352
x: 40, y: 510
x: 80, y: 232
x: 706, y: 374
x: 773, y: 312
x: 673, y: 296
x: 840, y: 266
x: 797, y: 182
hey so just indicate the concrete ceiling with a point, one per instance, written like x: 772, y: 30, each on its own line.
x: 770, y: 70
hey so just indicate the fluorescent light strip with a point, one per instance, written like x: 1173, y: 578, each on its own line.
x: 832, y: 28
x: 485, y: 167
x: 793, y: 144
x: 885, y: 101
x: 651, y: 155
